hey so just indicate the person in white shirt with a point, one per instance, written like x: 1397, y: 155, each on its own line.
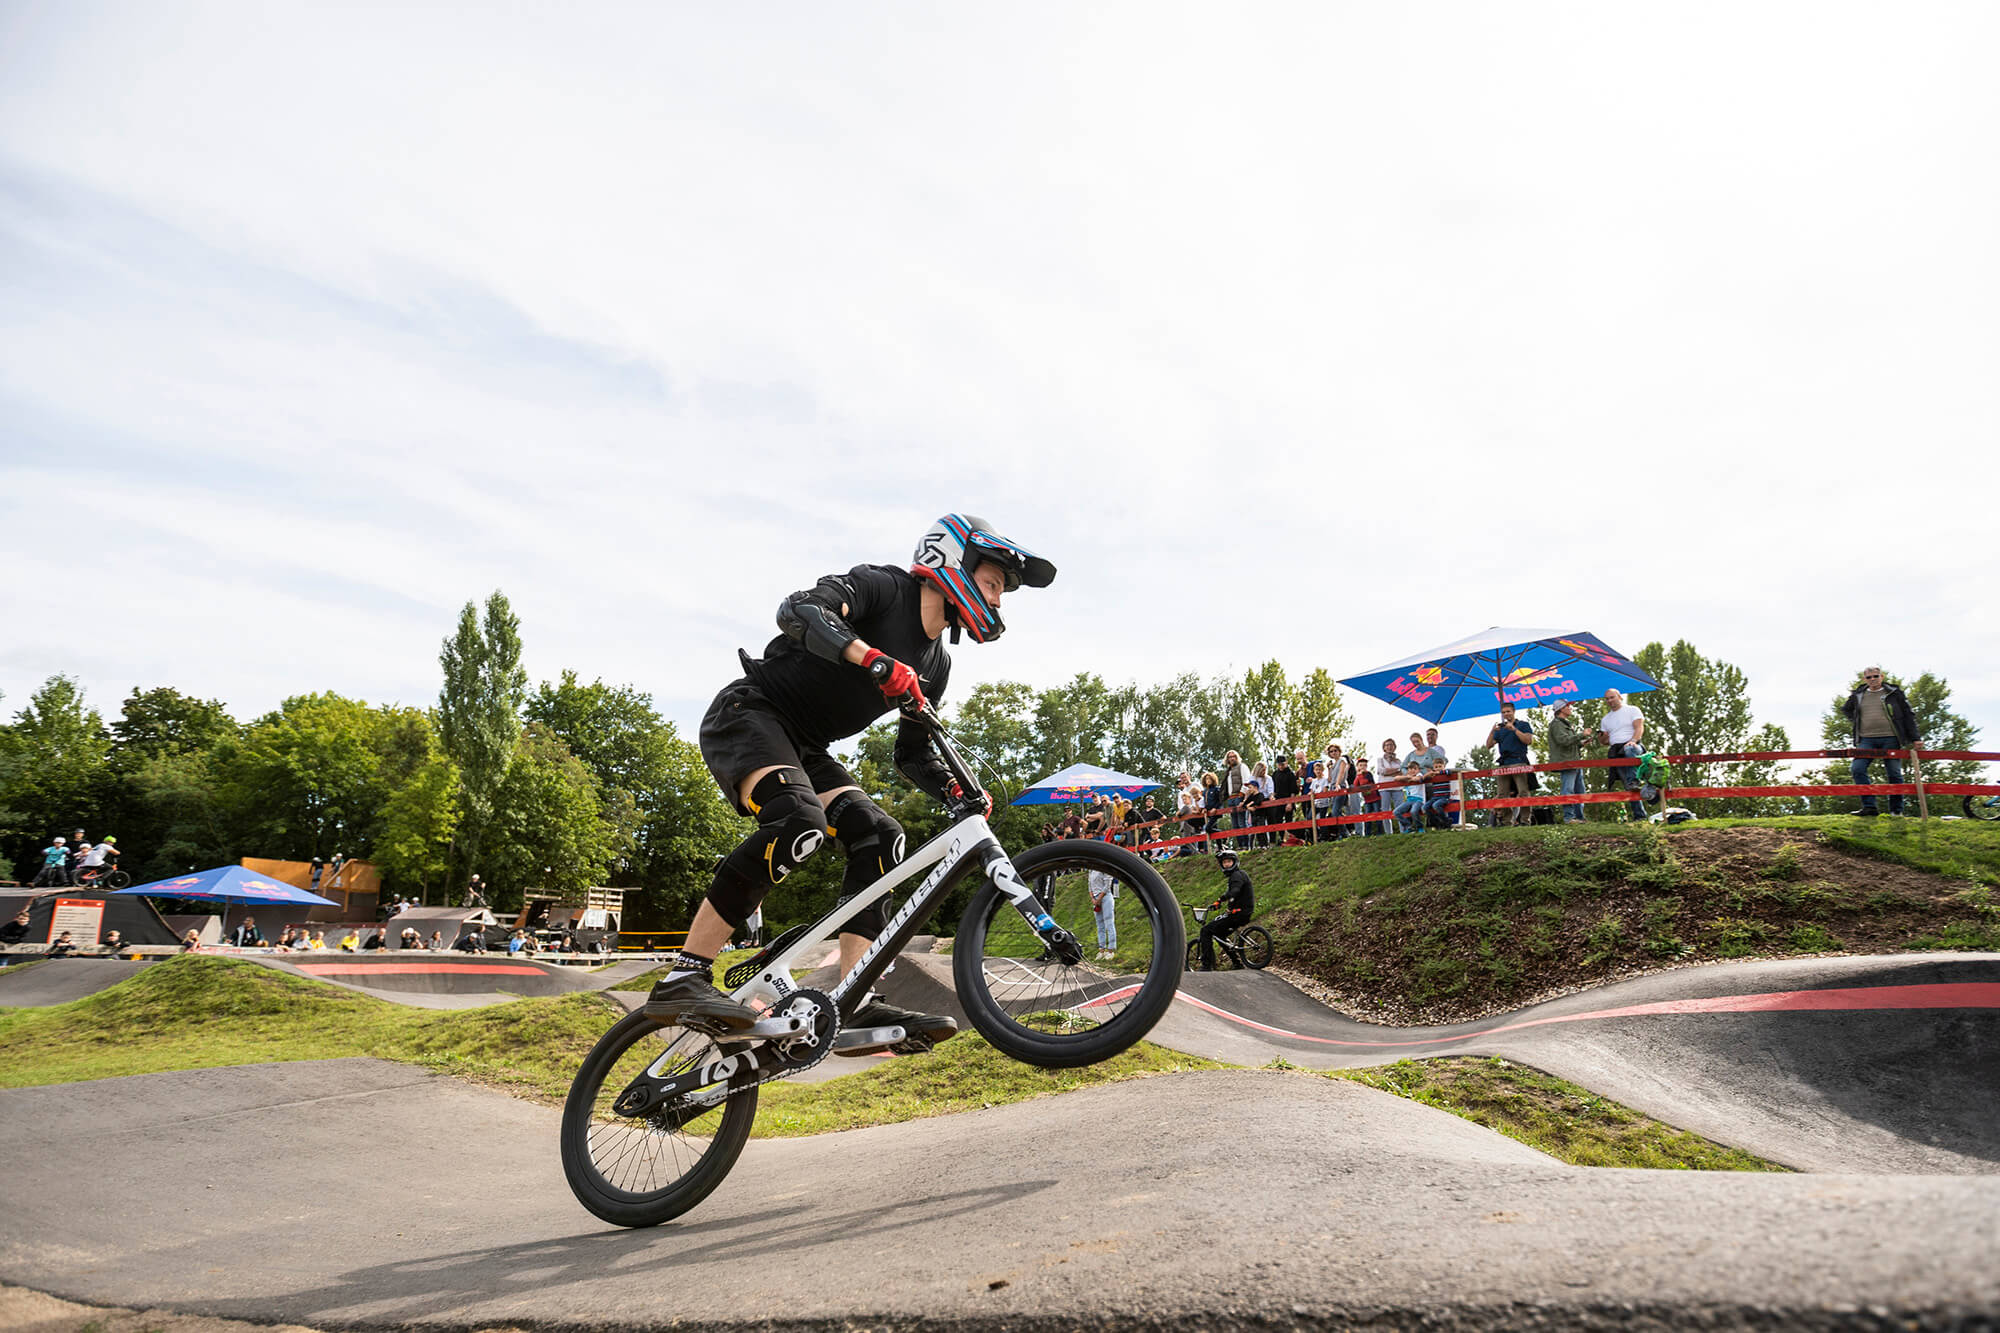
x: 1388, y: 767
x: 1624, y: 731
x: 1104, y: 907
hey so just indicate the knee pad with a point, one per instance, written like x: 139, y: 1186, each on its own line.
x: 790, y: 827
x: 874, y: 844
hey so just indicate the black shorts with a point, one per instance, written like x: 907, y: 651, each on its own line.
x: 742, y: 733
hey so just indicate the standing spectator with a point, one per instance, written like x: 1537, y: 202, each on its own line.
x: 1285, y: 793
x: 1235, y: 780
x: 1071, y: 825
x: 1187, y: 804
x: 1324, y: 803
x: 1882, y: 720
x: 318, y: 869
x: 1388, y: 792
x: 1566, y: 737
x: 246, y: 935
x: 1624, y: 730
x: 1509, y: 737
x: 1211, y: 803
x: 1435, y: 750
x: 1104, y: 907
x: 1257, y: 803
x: 55, y: 865
x: 77, y: 847
x: 1416, y: 764
x: 1340, y: 772
x: 1367, y: 799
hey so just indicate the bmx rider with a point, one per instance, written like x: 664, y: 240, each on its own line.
x: 1242, y: 902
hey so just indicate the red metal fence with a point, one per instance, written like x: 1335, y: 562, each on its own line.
x: 1917, y: 787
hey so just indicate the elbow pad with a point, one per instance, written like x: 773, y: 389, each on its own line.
x: 812, y: 618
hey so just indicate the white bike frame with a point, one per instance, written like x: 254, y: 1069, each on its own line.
x: 965, y: 846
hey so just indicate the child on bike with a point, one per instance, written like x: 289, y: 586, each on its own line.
x: 851, y: 648
x: 1241, y: 901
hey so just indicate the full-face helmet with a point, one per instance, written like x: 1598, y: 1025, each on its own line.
x: 952, y: 549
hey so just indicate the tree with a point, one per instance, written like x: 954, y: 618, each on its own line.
x: 162, y: 720
x: 413, y: 849
x: 658, y: 799
x: 1073, y: 723
x: 545, y: 833
x: 54, y: 772
x: 306, y: 780
x: 1939, y: 725
x: 479, y: 711
x: 1703, y: 707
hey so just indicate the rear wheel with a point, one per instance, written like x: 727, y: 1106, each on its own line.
x: 640, y: 1172
x: 1982, y: 807
x: 1058, y: 1010
x: 1256, y: 946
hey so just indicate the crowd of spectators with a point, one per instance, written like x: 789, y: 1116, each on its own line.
x: 1408, y: 790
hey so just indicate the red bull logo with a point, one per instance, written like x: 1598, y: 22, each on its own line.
x: 1408, y: 689
x: 1529, y: 675
x: 1430, y: 675
x: 1529, y: 691
x: 1590, y: 652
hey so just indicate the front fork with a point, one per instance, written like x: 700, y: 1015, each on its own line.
x: 1065, y: 947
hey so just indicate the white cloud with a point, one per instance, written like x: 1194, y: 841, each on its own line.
x: 1522, y: 315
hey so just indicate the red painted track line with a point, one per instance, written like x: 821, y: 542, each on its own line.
x: 1962, y: 995
x: 508, y: 969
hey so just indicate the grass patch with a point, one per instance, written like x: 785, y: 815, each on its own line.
x: 1551, y: 1115
x: 963, y: 1074
x: 1446, y: 926
x: 725, y: 960
x: 194, y: 1012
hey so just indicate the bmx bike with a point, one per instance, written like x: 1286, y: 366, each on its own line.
x: 1244, y: 946
x: 102, y: 877
x: 1982, y: 807
x: 659, y: 1112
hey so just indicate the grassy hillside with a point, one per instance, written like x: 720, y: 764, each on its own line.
x: 1442, y: 926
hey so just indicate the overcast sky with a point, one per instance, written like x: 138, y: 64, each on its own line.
x: 1323, y: 333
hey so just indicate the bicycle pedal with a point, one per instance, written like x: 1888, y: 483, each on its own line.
x: 868, y: 1041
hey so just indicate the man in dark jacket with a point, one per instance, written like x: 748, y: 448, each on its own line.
x: 1881, y: 719
x: 1242, y: 903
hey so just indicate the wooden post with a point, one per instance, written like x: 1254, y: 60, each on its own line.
x: 1917, y: 777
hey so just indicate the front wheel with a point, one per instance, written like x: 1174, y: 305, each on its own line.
x: 640, y: 1172
x: 118, y: 879
x: 1256, y: 944
x: 1982, y: 807
x: 1044, y: 1008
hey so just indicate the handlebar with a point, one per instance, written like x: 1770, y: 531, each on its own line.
x: 953, y: 761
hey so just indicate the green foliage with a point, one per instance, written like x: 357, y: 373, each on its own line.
x: 479, y: 709
x: 54, y: 771
x: 1703, y: 707
x: 164, y: 721
x: 1551, y: 1115
x: 545, y: 833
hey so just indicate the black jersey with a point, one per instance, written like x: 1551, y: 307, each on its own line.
x: 821, y: 701
x: 1238, y: 893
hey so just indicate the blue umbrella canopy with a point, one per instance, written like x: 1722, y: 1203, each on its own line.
x: 1525, y: 667
x: 226, y: 884
x: 1080, y: 782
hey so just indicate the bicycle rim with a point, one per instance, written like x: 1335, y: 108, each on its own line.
x: 1043, y: 1010
x: 638, y: 1173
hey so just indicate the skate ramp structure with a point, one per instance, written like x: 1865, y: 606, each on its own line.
x: 1822, y: 1064
x: 32, y: 985
x: 399, y: 972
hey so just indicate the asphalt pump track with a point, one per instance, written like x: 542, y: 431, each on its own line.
x: 1248, y: 1198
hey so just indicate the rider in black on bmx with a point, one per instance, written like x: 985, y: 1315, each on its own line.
x: 1242, y: 902
x: 852, y: 647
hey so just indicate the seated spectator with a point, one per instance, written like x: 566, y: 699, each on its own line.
x: 377, y: 939
x: 436, y: 942
x: 1410, y: 809
x: 350, y: 942
x: 319, y: 939
x: 516, y: 940
x: 568, y: 944
x: 62, y: 946
x: 112, y: 941
x: 246, y: 935
x: 1096, y: 818
x: 16, y: 930
x: 191, y: 942
x: 302, y: 940
x: 1438, y: 798
x: 472, y: 941
x: 285, y: 938
x: 409, y: 939
x: 529, y: 942
x: 1071, y: 825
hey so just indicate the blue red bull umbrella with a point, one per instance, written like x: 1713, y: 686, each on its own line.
x: 1080, y: 782
x: 1529, y: 668
x: 227, y: 884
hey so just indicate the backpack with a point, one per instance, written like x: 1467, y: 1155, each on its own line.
x: 1652, y: 775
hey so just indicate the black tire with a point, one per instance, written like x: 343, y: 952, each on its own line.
x: 634, y: 1173
x: 1256, y: 944
x: 117, y: 879
x: 1059, y: 1015
x: 1982, y: 808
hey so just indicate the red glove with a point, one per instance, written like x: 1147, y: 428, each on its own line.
x: 899, y: 684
